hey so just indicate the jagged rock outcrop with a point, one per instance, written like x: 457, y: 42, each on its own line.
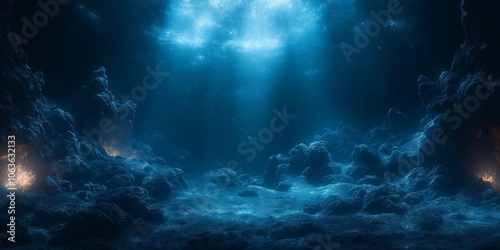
x: 21, y: 101
x: 100, y: 117
x: 462, y: 105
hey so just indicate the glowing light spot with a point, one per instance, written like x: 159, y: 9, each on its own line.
x: 491, y: 179
x: 128, y: 153
x: 23, y: 179
x: 487, y: 178
x: 111, y: 152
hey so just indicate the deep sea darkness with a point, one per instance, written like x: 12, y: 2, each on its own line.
x: 249, y: 124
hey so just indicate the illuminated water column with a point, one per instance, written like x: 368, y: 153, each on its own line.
x: 268, y: 29
x: 235, y: 48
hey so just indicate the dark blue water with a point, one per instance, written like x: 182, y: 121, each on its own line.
x: 259, y: 124
x: 231, y: 62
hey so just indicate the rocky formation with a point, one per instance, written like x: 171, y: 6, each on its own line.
x: 99, y: 117
x: 462, y: 123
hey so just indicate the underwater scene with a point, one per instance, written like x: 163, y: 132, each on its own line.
x: 249, y: 124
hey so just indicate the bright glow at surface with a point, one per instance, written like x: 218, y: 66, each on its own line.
x: 247, y: 45
x: 245, y: 26
x: 278, y: 3
x: 221, y: 4
x: 23, y: 179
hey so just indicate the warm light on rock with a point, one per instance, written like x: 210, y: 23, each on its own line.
x: 487, y: 178
x: 110, y: 151
x: 129, y: 154
x: 23, y: 179
x: 484, y: 154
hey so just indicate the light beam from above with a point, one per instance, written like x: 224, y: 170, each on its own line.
x: 244, y: 26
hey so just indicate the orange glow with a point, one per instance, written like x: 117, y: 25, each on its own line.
x: 487, y: 178
x: 21, y: 152
x: 23, y: 179
x: 129, y: 154
x: 491, y: 179
x: 111, y: 152
x: 483, y: 158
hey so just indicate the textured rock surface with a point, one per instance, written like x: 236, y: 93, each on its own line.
x: 462, y: 103
x: 100, y: 117
x: 81, y: 226
x: 137, y: 202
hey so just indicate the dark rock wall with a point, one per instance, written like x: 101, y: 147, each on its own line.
x: 463, y: 103
x: 21, y: 99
